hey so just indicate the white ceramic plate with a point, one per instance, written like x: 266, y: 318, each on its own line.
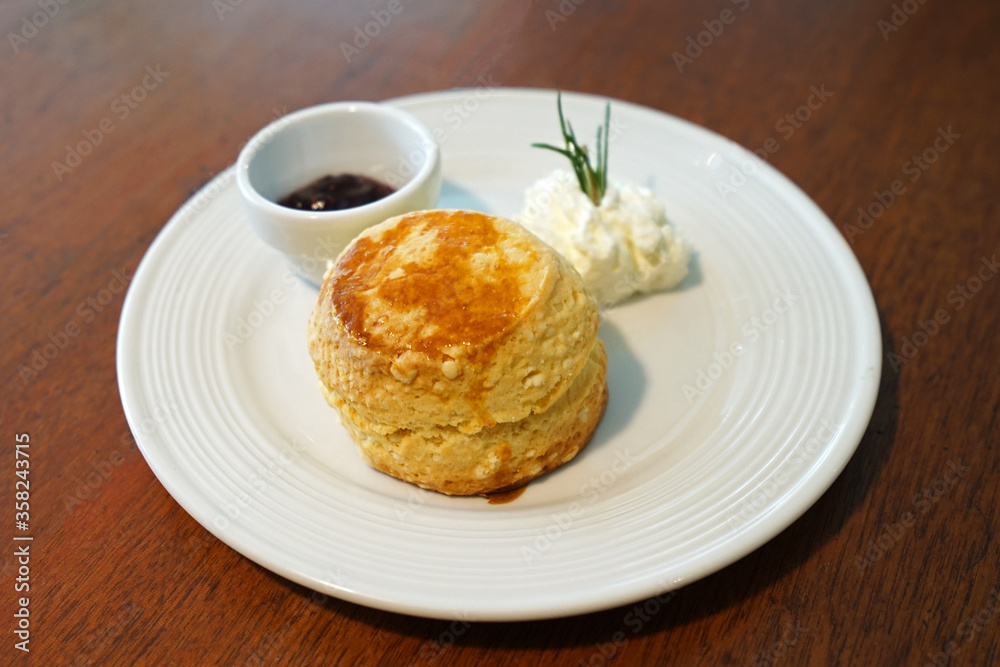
x: 736, y: 399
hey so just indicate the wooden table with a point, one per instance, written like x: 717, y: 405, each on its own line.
x: 884, y: 113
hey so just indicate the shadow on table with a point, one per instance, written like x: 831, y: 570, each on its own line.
x: 746, y: 578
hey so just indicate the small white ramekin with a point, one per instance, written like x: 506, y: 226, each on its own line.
x: 364, y: 138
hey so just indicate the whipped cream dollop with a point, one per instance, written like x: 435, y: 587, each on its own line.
x: 625, y: 245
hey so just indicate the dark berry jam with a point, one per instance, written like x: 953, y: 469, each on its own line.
x: 334, y: 193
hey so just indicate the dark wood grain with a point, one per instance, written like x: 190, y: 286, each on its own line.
x: 121, y: 575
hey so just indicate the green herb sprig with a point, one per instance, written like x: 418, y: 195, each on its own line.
x: 593, y: 179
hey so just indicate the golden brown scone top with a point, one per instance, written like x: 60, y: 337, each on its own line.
x: 440, y: 283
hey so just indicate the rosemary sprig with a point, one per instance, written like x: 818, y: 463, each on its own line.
x: 593, y: 179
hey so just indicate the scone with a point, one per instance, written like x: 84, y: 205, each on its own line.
x: 460, y: 351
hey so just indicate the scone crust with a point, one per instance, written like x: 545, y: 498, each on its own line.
x: 503, y: 457
x: 450, y: 318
